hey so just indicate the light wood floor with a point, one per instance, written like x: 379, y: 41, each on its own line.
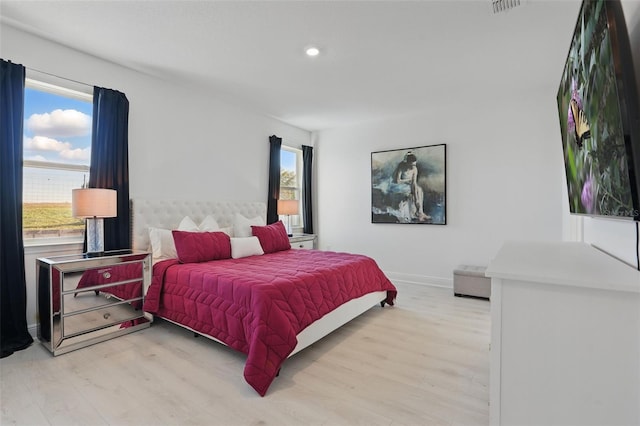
x: 423, y: 362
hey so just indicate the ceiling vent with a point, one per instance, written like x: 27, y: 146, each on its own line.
x: 504, y: 5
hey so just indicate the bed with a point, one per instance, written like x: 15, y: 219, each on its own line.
x: 268, y: 306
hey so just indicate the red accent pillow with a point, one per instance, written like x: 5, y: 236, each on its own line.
x: 193, y: 247
x: 272, y: 237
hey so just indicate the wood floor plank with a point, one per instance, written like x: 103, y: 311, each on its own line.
x: 424, y: 361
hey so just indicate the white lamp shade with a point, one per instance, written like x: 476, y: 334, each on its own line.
x: 287, y: 206
x: 94, y: 202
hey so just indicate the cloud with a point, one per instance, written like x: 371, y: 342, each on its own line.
x: 65, y: 150
x: 36, y: 158
x: 77, y: 154
x: 60, y: 123
x: 43, y: 143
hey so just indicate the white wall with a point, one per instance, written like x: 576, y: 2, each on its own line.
x: 183, y: 144
x: 505, y: 181
x: 502, y: 184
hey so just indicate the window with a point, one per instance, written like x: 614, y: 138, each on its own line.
x: 56, y: 158
x: 291, y: 181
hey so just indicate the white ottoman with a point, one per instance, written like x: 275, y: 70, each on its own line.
x: 470, y: 281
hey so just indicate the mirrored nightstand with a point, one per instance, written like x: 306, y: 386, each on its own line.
x: 85, y: 299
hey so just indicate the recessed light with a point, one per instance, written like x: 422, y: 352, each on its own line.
x: 312, y: 51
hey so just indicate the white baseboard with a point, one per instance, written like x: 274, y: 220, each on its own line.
x: 398, y: 277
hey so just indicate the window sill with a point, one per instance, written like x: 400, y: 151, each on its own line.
x: 35, y: 245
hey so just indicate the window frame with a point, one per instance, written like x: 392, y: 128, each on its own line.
x: 297, y: 223
x: 43, y: 82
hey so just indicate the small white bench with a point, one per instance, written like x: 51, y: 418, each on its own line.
x: 470, y: 281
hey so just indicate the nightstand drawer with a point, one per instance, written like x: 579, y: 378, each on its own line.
x: 87, y: 298
x: 302, y: 245
x: 102, y: 277
x: 105, y: 312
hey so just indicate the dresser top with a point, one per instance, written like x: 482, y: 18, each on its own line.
x: 91, y: 260
x: 563, y: 263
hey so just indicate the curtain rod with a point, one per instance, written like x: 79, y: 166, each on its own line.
x: 62, y: 78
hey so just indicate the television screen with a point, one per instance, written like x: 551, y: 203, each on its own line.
x: 598, y: 108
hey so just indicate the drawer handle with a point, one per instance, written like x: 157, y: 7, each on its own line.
x: 106, y: 275
x: 106, y: 316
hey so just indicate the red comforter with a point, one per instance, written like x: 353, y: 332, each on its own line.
x: 257, y: 305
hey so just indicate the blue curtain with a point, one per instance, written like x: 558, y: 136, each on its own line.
x: 275, y: 144
x: 14, y: 335
x: 307, y: 193
x: 110, y: 160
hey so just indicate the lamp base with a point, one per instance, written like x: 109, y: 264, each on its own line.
x: 95, y: 235
x: 289, y: 231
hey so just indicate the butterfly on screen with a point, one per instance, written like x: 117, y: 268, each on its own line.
x: 582, y: 129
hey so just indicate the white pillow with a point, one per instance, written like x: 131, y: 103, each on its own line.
x: 227, y: 230
x: 187, y: 224
x: 243, y: 247
x: 209, y: 224
x: 242, y: 225
x: 162, y: 245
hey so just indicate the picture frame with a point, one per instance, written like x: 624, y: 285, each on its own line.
x: 408, y: 185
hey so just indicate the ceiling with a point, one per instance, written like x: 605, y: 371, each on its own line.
x: 378, y: 58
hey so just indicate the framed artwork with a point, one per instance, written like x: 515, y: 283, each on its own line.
x: 409, y: 185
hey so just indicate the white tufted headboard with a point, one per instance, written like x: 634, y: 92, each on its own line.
x: 167, y: 214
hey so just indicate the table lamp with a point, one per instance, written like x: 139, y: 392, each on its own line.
x: 288, y: 207
x: 94, y: 204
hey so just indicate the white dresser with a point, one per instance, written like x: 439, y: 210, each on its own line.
x: 565, y: 336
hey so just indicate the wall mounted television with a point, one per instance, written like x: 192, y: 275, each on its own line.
x: 600, y: 116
